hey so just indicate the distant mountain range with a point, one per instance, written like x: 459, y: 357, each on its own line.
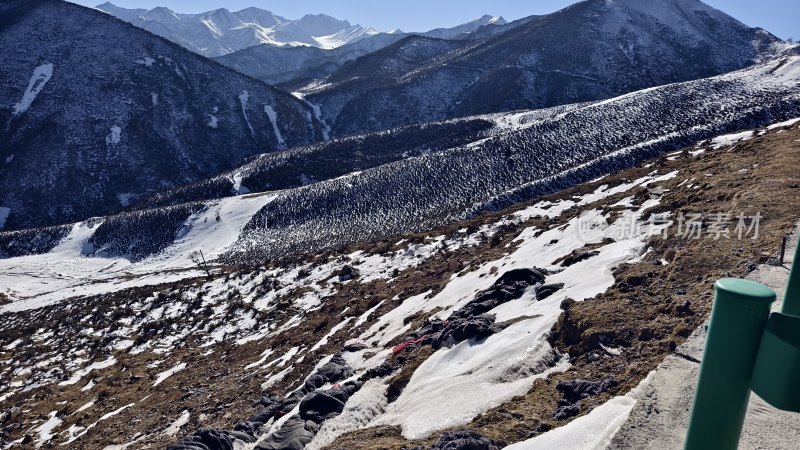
x: 219, y: 32
x: 298, y: 65
x: 97, y: 113
x: 591, y: 50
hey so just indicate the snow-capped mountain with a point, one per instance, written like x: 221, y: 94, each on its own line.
x: 295, y: 67
x: 465, y: 28
x: 299, y: 65
x: 591, y: 50
x: 219, y: 32
x: 97, y: 113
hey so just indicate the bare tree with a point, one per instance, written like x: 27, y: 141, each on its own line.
x: 200, y: 260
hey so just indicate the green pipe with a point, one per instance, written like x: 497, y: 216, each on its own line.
x: 791, y: 301
x: 738, y: 317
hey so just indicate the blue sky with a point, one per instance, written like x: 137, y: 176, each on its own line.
x: 781, y: 17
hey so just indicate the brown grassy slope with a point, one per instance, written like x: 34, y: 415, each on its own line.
x: 653, y: 307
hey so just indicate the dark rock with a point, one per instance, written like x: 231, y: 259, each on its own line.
x: 336, y: 369
x: 354, y: 347
x: 461, y: 329
x: 466, y: 440
x: 295, y: 434
x: 204, y: 439
x: 511, y: 285
x: 567, y: 411
x: 546, y: 290
x: 385, y: 369
x: 577, y: 256
x: 576, y: 390
x: 348, y: 273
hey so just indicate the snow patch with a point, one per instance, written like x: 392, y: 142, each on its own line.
x: 168, y: 373
x: 730, y: 139
x: 237, y: 184
x: 86, y: 370
x: 125, y: 199
x: 41, y: 75
x: 785, y: 124
x: 46, y: 429
x: 243, y: 98
x: 146, y: 61
x: 273, y: 118
x: 173, y: 429
x: 114, y: 137
x: 4, y: 212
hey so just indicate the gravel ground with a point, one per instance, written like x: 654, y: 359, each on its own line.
x: 661, y: 416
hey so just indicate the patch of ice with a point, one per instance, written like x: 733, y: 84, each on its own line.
x: 41, y: 75
x: 168, y: 373
x: 503, y: 366
x: 593, y: 431
x: 367, y: 403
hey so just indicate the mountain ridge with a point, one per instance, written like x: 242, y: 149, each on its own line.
x: 221, y: 31
x: 143, y: 114
x: 587, y: 51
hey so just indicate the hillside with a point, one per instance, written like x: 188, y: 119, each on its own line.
x: 526, y: 154
x: 373, y: 345
x: 100, y: 113
x: 592, y: 50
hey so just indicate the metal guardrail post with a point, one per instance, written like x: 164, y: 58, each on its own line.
x: 791, y: 301
x: 738, y: 317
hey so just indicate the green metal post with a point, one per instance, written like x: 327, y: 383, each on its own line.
x: 791, y: 301
x: 738, y: 317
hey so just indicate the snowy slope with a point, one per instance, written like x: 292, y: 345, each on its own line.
x: 95, y: 116
x: 81, y: 263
